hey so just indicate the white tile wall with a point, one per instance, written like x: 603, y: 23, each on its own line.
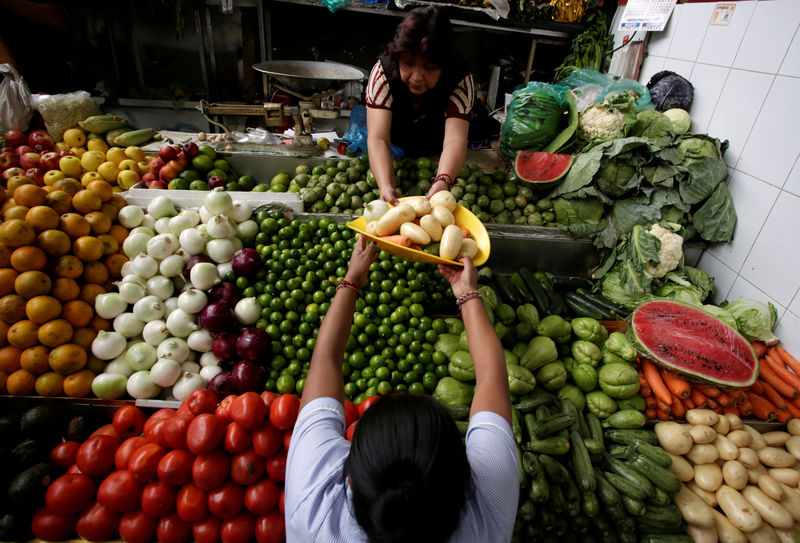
x: 747, y: 88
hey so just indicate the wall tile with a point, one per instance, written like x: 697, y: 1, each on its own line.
x: 651, y: 65
x: 659, y: 42
x: 722, y: 274
x: 722, y: 42
x: 791, y: 62
x: 773, y: 146
x: 794, y: 307
x: 787, y: 329
x: 774, y: 262
x: 745, y: 290
x: 768, y: 36
x: 680, y: 67
x: 793, y: 182
x: 689, y: 33
x: 737, y: 109
x: 753, y: 200
x: 708, y: 82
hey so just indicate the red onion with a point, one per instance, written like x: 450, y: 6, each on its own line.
x: 226, y: 292
x: 248, y: 377
x: 222, y: 385
x: 254, y: 344
x: 245, y: 261
x: 196, y: 259
x: 224, y: 346
x: 217, y: 317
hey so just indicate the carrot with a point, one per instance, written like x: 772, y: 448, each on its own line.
x: 724, y: 399
x: 740, y: 397
x: 677, y: 408
x: 675, y: 383
x: 464, y: 232
x: 745, y: 409
x: 760, y: 348
x: 397, y: 239
x: 788, y: 359
x: 762, y: 408
x: 771, y: 394
x: 758, y: 386
x: 730, y: 409
x: 700, y: 400
x: 793, y: 409
x: 415, y: 247
x: 783, y: 415
x: 644, y: 388
x: 651, y: 402
x: 712, y: 404
x: 664, y: 406
x: 779, y: 368
x: 770, y: 377
x: 650, y: 414
x: 661, y: 415
x: 688, y: 403
x: 710, y: 391
x: 660, y: 390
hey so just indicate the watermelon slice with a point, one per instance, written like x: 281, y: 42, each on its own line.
x: 541, y: 169
x: 691, y: 341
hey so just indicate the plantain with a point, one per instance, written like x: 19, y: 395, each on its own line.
x: 134, y: 137
x: 100, y: 124
x: 112, y: 135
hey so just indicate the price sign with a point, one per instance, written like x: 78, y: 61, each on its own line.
x: 646, y: 15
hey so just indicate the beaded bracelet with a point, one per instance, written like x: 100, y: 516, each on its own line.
x: 467, y: 296
x: 444, y: 177
x: 347, y: 284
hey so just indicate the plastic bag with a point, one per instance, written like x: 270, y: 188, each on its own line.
x: 534, y: 117
x: 63, y: 111
x: 356, y: 133
x: 16, y: 110
x: 335, y: 5
x: 256, y: 135
x: 590, y: 86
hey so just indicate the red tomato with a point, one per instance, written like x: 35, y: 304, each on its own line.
x: 108, y: 430
x: 366, y: 404
x: 158, y: 415
x: 192, y: 504
x: 69, y: 494
x: 98, y: 523
x: 350, y: 413
x: 206, y: 531
x: 124, y: 452
x: 95, y: 457
x: 74, y: 469
x: 143, y: 463
x: 239, y: 529
x: 282, y: 501
x: 268, y: 396
x: 120, y: 492
x: 246, y: 467
x: 129, y: 421
x: 158, y: 499
x: 287, y: 439
x: 283, y: 411
x: 223, y: 411
x: 155, y: 432
x: 248, y: 410
x: 174, y: 432
x: 271, y: 528
x: 341, y: 148
x: 49, y: 526
x: 138, y: 527
x: 204, y: 434
x: 175, y: 468
x: 262, y: 497
x: 184, y: 411
x: 237, y: 439
x: 276, y: 466
x: 348, y: 434
x: 63, y: 455
x: 202, y: 401
x: 173, y: 529
x: 226, y: 501
x: 208, y: 472
x: 266, y: 439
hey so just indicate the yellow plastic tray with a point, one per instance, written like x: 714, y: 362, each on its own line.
x: 463, y: 217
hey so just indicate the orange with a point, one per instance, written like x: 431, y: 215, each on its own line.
x: 23, y: 334
x: 110, y: 244
x: 118, y: 201
x: 30, y: 195
x: 50, y: 384
x: 9, y: 358
x: 95, y: 365
x: 68, y: 185
x: 68, y: 266
x: 60, y: 201
x: 114, y: 264
x: 7, y: 278
x: 35, y: 359
x: 12, y: 308
x: 95, y: 272
x: 78, y: 313
x: 41, y: 309
x: 84, y: 337
x: 110, y: 210
x: 99, y: 222
x: 69, y: 358
x: 16, y: 212
x: 7, y: 204
x: 3, y: 381
x: 90, y: 291
x: 74, y: 225
x: 78, y: 384
x: 54, y: 242
x: 20, y: 383
x: 5, y: 252
x: 119, y: 232
x: 28, y: 258
x: 102, y: 189
x: 99, y: 323
x: 87, y: 248
x: 65, y: 289
x: 85, y: 201
x: 3, y: 333
x: 32, y: 283
x: 54, y: 333
x: 17, y: 232
x: 42, y: 218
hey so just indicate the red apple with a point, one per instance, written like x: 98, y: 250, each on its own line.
x: 62, y: 154
x: 11, y: 172
x: 36, y: 174
x: 8, y: 160
x: 167, y: 153
x: 215, y: 181
x: 176, y: 165
x: 156, y: 164
x: 49, y: 161
x: 158, y: 184
x: 15, y: 138
x: 9, y: 150
x: 167, y: 173
x: 40, y: 140
x: 148, y: 177
x: 182, y: 159
x: 22, y: 149
x: 29, y: 160
x: 190, y: 149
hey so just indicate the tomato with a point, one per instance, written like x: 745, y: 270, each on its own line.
x: 366, y: 404
x: 158, y: 499
x: 63, y: 455
x: 226, y: 501
x: 246, y: 467
x: 238, y: 529
x: 128, y: 421
x: 192, y: 504
x: 74, y: 469
x: 348, y: 433
x: 276, y: 466
x: 95, y: 457
x: 69, y: 494
x: 341, y: 148
x: 282, y: 502
x: 262, y: 497
x: 350, y: 413
x: 201, y: 401
x: 173, y: 529
x: 98, y: 523
x: 143, y: 463
x: 108, y: 430
x: 124, y: 452
x: 138, y: 527
x: 49, y: 526
x: 157, y: 416
x: 223, y: 411
x: 237, y: 439
x: 175, y: 468
x: 204, y: 434
x: 266, y: 439
x: 120, y: 492
x: 184, y: 411
x: 174, y: 432
x: 155, y: 432
x: 271, y: 528
x: 206, y: 531
x: 208, y: 472
x: 287, y: 439
x: 268, y: 396
x: 283, y: 411
x: 248, y: 410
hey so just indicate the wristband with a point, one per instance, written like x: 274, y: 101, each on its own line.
x: 347, y: 284
x: 467, y: 296
x: 443, y: 177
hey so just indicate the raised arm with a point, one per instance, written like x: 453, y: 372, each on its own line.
x: 491, y: 377
x: 379, y: 129
x: 454, y: 151
x: 324, y: 378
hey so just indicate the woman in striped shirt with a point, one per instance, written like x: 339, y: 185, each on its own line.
x: 419, y: 97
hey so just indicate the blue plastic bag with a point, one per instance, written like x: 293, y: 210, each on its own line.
x: 356, y: 133
x: 589, y: 85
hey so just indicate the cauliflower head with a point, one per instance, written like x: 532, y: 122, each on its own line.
x: 670, y: 253
x: 600, y: 122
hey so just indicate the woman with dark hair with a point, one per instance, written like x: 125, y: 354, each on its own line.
x: 407, y: 477
x: 419, y: 97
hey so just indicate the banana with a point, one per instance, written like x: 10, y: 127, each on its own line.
x: 100, y: 124
x: 134, y: 137
x: 112, y: 135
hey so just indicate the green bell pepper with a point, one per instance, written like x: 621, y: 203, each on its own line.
x: 541, y: 350
x: 585, y: 377
x: 620, y: 345
x: 586, y: 352
x: 520, y: 380
x: 552, y: 376
x: 589, y: 329
x: 461, y: 366
x: 450, y: 391
x: 555, y: 327
x: 619, y: 381
x: 600, y: 404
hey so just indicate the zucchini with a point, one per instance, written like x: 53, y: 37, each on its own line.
x: 606, y: 491
x: 531, y: 401
x: 617, y: 512
x: 529, y: 421
x: 653, y: 452
x: 594, y: 446
x: 556, y: 302
x: 582, y: 464
x: 601, y: 525
x: 557, y: 500
x: 590, y: 505
x: 530, y: 464
x: 666, y: 538
x: 539, y: 490
x: 625, y: 486
x: 660, y: 477
x: 542, y: 412
x: 626, y: 536
x: 516, y: 425
x: 549, y: 519
x: 553, y: 468
x: 580, y: 524
x: 550, y: 425
x: 548, y: 445
x: 666, y: 518
x: 539, y: 295
x: 595, y: 428
x: 625, y: 470
x: 599, y: 300
x: 507, y: 292
x: 627, y: 523
x: 579, y: 309
x: 661, y: 498
x: 610, y: 538
x: 573, y: 497
x: 626, y: 437
x: 569, y: 281
x: 568, y: 408
x: 634, y: 507
x: 526, y: 511
x: 618, y: 451
x: 519, y: 284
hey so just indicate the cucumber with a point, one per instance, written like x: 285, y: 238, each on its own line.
x: 507, y: 292
x: 582, y: 464
x: 626, y: 536
x: 617, y: 512
x: 601, y: 526
x: 626, y: 470
x: 556, y: 303
x: 539, y: 295
x: 618, y: 311
x: 627, y: 436
x: 530, y: 464
x: 660, y: 477
x: 531, y: 401
x: 579, y: 309
x: 539, y: 490
x: 554, y: 469
x: 625, y: 487
x: 548, y: 445
x: 550, y: 425
x: 634, y: 507
x: 653, y: 452
x: 568, y: 281
x: 665, y: 538
x: 573, y: 496
x: 568, y: 408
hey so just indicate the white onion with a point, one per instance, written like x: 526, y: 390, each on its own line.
x: 126, y: 268
x: 180, y: 323
x: 143, y: 230
x: 190, y: 367
x: 161, y: 206
x: 162, y: 225
x: 240, y: 211
x: 247, y: 230
x: 110, y: 304
x: 221, y: 250
x: 109, y: 386
x: 192, y: 215
x: 128, y: 325
x: 192, y: 300
x: 209, y: 359
x: 118, y: 365
x: 108, y: 345
x: 205, y: 214
x: 170, y: 305
x: 209, y: 372
x: 141, y: 356
x: 135, y: 244
x: 179, y: 223
x: 131, y: 292
x: 188, y: 383
x: 145, y: 266
x: 218, y: 201
x: 204, y: 275
x: 174, y: 348
x: 200, y: 340
x: 165, y: 372
x: 203, y: 230
x: 149, y: 221
x: 225, y: 268
x: 155, y: 332
x: 130, y: 216
x: 220, y: 227
x: 162, y: 245
x: 247, y: 310
x: 141, y: 386
x: 180, y: 282
x: 149, y: 308
x: 192, y: 241
x: 134, y: 278
x: 238, y: 245
x: 160, y: 286
x: 171, y: 266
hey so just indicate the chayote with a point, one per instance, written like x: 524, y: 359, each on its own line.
x: 585, y: 377
x: 461, y: 366
x: 574, y: 394
x: 635, y: 402
x: 552, y: 376
x: 586, y: 352
x: 524, y: 331
x: 505, y: 314
x: 541, y: 350
x: 569, y: 363
x: 450, y: 391
x: 611, y: 358
x: 600, y: 403
x: 620, y: 345
x: 501, y: 330
x: 520, y: 380
x: 447, y: 343
x: 619, y: 381
x: 511, y: 358
x: 454, y: 325
x: 519, y: 349
x: 589, y: 329
x: 463, y: 344
x: 489, y: 297
x: 528, y: 313
x: 555, y: 327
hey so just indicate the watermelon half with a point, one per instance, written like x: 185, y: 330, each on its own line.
x: 541, y: 169
x: 691, y: 341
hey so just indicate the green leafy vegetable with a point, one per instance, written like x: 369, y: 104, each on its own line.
x: 756, y: 320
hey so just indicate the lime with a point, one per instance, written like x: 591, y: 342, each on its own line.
x: 189, y: 175
x: 208, y: 151
x: 277, y: 188
x: 423, y: 163
x: 246, y: 182
x: 198, y: 185
x: 285, y: 384
x: 202, y: 162
x: 222, y: 164
x: 232, y: 186
x: 279, y: 179
x: 302, y: 168
x: 323, y: 143
x: 178, y: 184
x: 260, y: 188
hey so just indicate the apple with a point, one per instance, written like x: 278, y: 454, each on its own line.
x: 168, y: 152
x: 29, y: 160
x: 36, y: 174
x: 49, y: 161
x: 148, y: 178
x: 15, y: 138
x: 215, y: 181
x: 40, y: 140
x: 70, y: 165
x: 65, y: 152
x: 190, y: 149
x: 167, y: 173
x: 9, y: 150
x: 157, y: 184
x: 176, y: 165
x: 22, y: 149
x: 8, y: 160
x: 156, y: 164
x: 183, y: 159
x: 11, y: 172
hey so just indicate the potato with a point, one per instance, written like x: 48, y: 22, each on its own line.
x: 702, y: 434
x: 758, y: 441
x: 793, y: 445
x: 735, y: 474
x: 788, y: 536
x: 723, y: 426
x: 755, y: 473
x: 775, y: 457
x: 727, y: 450
x: 791, y: 502
x: 748, y: 457
x: 468, y: 248
x: 372, y: 228
x: 419, y: 204
x: 702, y: 453
x: 708, y: 476
x: 734, y: 421
x: 776, y: 439
x: 786, y: 476
x: 738, y: 509
x: 431, y: 226
x: 700, y: 534
x: 415, y: 233
x: 770, y: 510
x: 763, y: 534
x: 694, y: 510
x: 390, y: 222
x: 709, y: 497
x: 740, y: 438
x: 705, y: 417
x: 771, y: 487
x: 444, y: 198
x: 673, y: 437
x: 793, y: 426
x: 443, y: 215
x: 681, y: 468
x: 727, y: 532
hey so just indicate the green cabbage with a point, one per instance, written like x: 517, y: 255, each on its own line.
x: 756, y: 320
x: 681, y: 122
x: 722, y: 314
